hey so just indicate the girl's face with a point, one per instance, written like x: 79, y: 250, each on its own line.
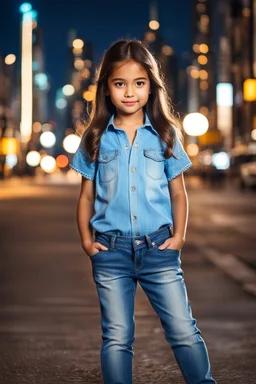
x: 128, y: 87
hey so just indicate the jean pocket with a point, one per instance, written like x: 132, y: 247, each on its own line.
x: 170, y: 251
x: 108, y: 165
x: 155, y: 162
x: 96, y: 255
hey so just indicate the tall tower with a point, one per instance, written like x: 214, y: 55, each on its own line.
x: 164, y: 54
x: 202, y: 69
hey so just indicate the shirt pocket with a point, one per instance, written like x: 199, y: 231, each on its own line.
x: 155, y: 161
x: 108, y: 165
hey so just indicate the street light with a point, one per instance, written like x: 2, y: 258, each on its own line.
x: 195, y: 124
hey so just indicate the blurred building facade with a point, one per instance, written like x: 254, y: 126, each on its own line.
x: 164, y: 53
x: 238, y: 66
x: 201, y: 72
x: 73, y: 101
x: 9, y: 113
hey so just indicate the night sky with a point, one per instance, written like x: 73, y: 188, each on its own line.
x: 98, y: 21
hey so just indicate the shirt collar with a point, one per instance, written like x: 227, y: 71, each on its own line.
x: 147, y: 123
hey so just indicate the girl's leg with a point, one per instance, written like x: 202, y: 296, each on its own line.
x: 116, y: 291
x: 161, y: 278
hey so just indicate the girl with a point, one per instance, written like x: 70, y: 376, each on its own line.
x: 134, y: 200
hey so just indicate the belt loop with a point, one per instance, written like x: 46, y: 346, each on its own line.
x: 112, y: 243
x: 149, y: 242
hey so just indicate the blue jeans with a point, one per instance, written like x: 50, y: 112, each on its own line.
x: 116, y: 272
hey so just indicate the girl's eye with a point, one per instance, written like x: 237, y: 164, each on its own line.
x: 119, y: 84
x: 140, y: 83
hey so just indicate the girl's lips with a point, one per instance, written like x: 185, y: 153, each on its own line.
x: 129, y: 102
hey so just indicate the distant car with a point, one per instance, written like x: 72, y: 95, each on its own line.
x: 248, y: 172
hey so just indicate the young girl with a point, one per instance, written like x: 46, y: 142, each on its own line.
x: 134, y: 199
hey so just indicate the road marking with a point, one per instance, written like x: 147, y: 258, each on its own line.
x: 229, y: 264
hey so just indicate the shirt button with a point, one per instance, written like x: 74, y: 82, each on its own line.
x: 136, y: 145
x: 137, y: 234
x: 126, y: 147
x: 133, y: 169
x: 137, y: 242
x: 134, y: 217
x: 133, y: 188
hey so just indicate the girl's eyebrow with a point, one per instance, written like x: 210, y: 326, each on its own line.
x: 137, y: 78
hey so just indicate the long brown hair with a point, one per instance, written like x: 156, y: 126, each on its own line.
x: 158, y: 107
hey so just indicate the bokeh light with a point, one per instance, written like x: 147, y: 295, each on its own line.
x: 33, y: 158
x: 61, y: 103
x: 203, y: 74
x: 204, y: 110
x: 192, y: 149
x: 150, y: 37
x: 154, y: 24
x: 88, y: 96
x: 11, y: 160
x: 37, y: 126
x: 78, y: 43
x: 202, y: 60
x: 48, y: 164
x: 221, y: 160
x: 204, y: 48
x: 196, y: 48
x: 167, y: 50
x: 47, y: 139
x: 41, y: 81
x: 204, y: 85
x: 10, y: 59
x: 62, y: 161
x: 68, y: 90
x: 79, y: 64
x: 194, y: 73
x: 71, y: 143
x: 85, y: 73
x: 253, y: 134
x: 25, y: 7
x: 46, y: 127
x: 195, y: 124
x: 77, y: 51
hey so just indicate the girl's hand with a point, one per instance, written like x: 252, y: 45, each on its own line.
x: 92, y: 248
x: 176, y: 242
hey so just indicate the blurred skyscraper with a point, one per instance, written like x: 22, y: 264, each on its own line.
x: 164, y: 54
x: 237, y: 66
x: 73, y: 101
x: 41, y: 82
x: 201, y: 72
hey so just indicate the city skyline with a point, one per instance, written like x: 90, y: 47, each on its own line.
x: 115, y: 20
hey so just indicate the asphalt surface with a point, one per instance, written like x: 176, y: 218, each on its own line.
x: 49, y: 316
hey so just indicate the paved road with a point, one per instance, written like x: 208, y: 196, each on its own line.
x: 49, y: 323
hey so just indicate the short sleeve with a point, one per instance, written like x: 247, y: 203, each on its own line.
x: 178, y: 164
x: 81, y: 163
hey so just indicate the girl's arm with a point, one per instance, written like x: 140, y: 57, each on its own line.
x: 179, y: 202
x: 85, y: 211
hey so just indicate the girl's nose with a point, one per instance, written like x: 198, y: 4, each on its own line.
x: 128, y: 92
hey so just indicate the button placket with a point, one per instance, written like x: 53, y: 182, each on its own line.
x: 133, y: 183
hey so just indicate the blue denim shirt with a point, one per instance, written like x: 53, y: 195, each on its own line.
x: 132, y: 195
